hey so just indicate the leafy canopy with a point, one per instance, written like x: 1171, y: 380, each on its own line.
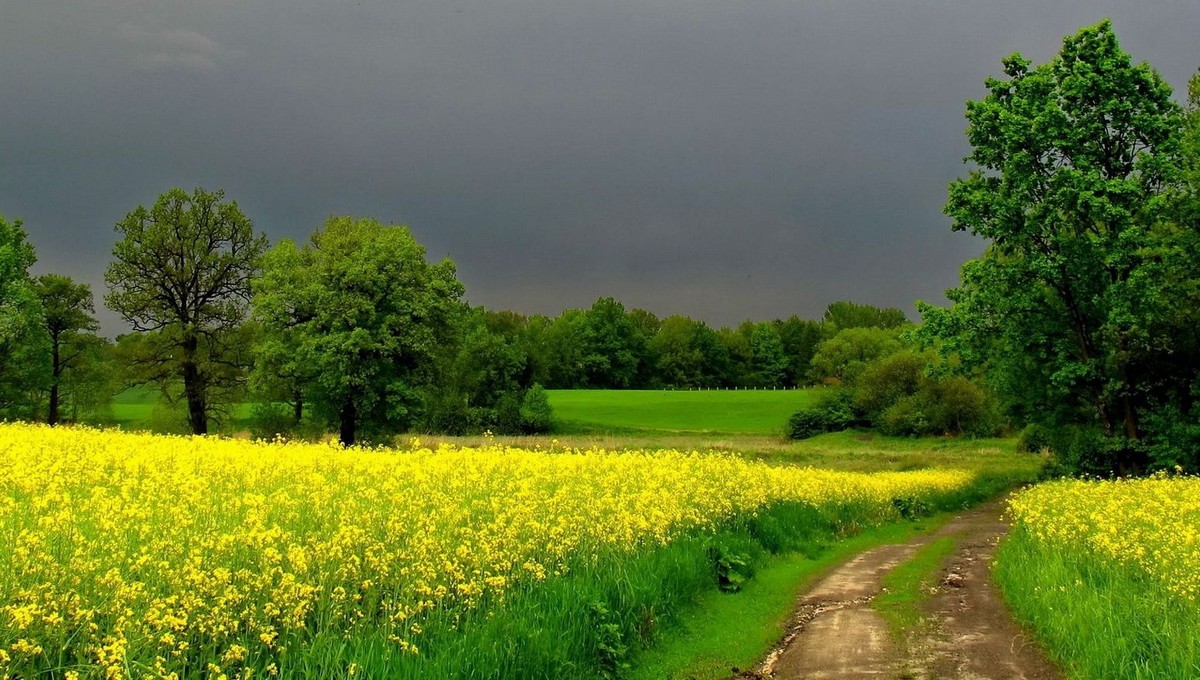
x: 360, y: 314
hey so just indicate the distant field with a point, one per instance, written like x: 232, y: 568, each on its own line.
x: 135, y: 409
x: 716, y: 411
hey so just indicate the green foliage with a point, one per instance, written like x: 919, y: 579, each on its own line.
x: 478, y: 379
x: 800, y: 338
x: 1082, y: 311
x: 833, y: 411
x: 535, y: 412
x: 182, y: 270
x: 68, y: 322
x: 732, y: 565
x: 362, y: 315
x: 888, y: 380
x: 768, y: 363
x: 1034, y: 438
x: 687, y: 353
x: 842, y: 358
x: 611, y: 651
x: 904, y: 418
x: 24, y: 346
x: 845, y: 314
x: 269, y: 420
x: 612, y: 346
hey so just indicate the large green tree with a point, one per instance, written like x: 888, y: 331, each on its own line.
x: 67, y: 316
x: 23, y: 344
x: 182, y: 269
x: 363, y: 315
x: 1070, y: 308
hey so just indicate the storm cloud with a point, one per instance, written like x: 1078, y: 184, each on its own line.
x: 722, y: 159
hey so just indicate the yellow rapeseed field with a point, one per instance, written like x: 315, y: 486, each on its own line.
x: 137, y: 555
x: 1150, y: 525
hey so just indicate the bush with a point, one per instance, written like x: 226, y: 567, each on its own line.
x: 1035, y: 438
x: 833, y: 411
x: 956, y: 405
x: 845, y: 356
x: 269, y: 420
x: 536, y: 414
x: 887, y: 381
x: 506, y: 416
x: 905, y: 418
x: 447, y: 412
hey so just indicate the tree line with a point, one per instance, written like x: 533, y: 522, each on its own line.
x: 353, y: 331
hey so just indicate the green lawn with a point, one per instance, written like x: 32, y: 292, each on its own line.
x: 715, y: 411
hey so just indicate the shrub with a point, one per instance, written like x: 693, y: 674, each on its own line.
x: 269, y: 420
x: 886, y: 381
x: 905, y: 418
x: 1035, y: 438
x: 847, y: 354
x: 506, y: 416
x: 536, y: 414
x: 833, y: 411
x: 956, y: 405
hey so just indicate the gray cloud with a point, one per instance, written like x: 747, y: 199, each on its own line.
x: 721, y: 159
x: 170, y: 50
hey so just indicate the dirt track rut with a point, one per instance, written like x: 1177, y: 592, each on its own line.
x: 967, y: 632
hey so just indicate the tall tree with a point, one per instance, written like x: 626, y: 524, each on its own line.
x: 183, y: 269
x: 23, y: 344
x: 613, y: 347
x: 1076, y: 159
x: 365, y: 313
x: 67, y: 309
x: 800, y: 338
x: 767, y: 360
x: 845, y: 314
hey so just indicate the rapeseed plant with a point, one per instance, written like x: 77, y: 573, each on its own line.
x: 137, y: 555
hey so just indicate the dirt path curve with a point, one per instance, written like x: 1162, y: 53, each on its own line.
x: 967, y: 633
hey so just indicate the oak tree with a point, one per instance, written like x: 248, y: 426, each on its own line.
x: 182, y: 271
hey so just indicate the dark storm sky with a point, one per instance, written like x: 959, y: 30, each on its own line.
x: 725, y: 159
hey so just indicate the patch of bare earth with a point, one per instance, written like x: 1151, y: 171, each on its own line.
x: 967, y: 632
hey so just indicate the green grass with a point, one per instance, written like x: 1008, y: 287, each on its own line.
x: 907, y: 587
x: 726, y: 631
x: 715, y: 411
x: 1098, y: 619
x: 142, y: 408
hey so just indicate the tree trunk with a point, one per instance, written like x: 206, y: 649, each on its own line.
x: 52, y: 415
x: 193, y: 387
x: 297, y: 406
x: 348, y: 416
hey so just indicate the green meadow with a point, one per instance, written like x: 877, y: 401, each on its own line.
x: 683, y: 411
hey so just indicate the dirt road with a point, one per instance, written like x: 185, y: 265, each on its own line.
x: 966, y: 632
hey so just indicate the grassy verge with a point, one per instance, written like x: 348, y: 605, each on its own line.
x: 1107, y: 573
x: 1099, y: 620
x: 907, y: 586
x: 723, y: 631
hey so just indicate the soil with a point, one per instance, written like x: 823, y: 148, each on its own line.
x: 966, y: 633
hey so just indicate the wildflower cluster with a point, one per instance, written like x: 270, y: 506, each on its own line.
x: 142, y: 555
x: 1151, y: 526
